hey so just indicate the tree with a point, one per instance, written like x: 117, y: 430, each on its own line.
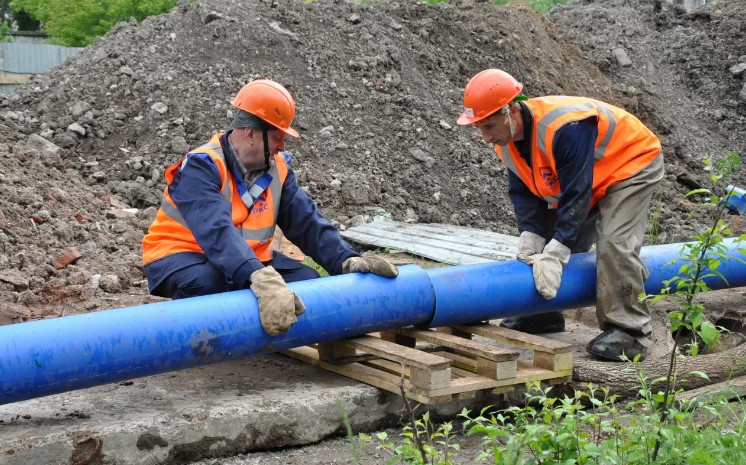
x: 76, y: 23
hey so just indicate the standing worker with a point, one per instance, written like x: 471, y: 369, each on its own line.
x: 220, y: 208
x: 579, y: 171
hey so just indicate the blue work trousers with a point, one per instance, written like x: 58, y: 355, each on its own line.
x: 204, y: 278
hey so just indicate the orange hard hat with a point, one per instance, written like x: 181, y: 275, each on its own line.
x: 487, y: 92
x: 269, y: 101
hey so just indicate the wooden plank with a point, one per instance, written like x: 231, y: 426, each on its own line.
x: 493, y: 243
x: 448, y: 232
x: 385, y: 381
x: 516, y: 338
x: 304, y: 354
x: 434, y: 249
x: 395, y: 352
x: 469, y: 383
x: 533, y: 374
x: 479, y: 349
x: 460, y: 361
x: 457, y: 383
x: 435, y: 253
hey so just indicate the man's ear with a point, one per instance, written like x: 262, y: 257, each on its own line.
x: 249, y: 135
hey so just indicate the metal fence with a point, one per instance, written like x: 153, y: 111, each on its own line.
x: 34, y: 58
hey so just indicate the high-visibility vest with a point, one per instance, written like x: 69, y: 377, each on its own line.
x: 169, y: 233
x: 623, y: 147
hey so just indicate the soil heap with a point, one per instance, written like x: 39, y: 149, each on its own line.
x: 378, y: 88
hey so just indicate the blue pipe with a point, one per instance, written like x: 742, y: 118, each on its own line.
x: 46, y: 357
x: 503, y: 289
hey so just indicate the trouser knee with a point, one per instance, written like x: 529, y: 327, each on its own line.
x: 194, y: 280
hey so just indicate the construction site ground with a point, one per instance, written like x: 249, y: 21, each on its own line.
x: 268, y: 409
x: 83, y: 148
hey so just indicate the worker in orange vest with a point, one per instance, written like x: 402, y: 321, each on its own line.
x: 220, y: 208
x: 579, y: 171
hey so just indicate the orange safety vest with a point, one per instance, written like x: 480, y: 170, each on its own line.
x: 624, y: 145
x: 169, y: 233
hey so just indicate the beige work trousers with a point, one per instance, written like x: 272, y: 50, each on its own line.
x: 620, y: 272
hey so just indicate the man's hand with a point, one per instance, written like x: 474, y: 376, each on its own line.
x: 529, y: 244
x: 548, y: 267
x: 278, y: 305
x: 375, y: 265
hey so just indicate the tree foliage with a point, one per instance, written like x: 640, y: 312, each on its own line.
x: 76, y: 23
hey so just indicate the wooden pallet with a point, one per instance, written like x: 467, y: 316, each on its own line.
x: 445, y: 364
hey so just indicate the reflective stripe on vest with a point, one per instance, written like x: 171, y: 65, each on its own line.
x: 170, y: 234
x: 623, y: 147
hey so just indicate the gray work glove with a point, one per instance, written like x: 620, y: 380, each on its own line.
x: 548, y: 266
x: 278, y: 305
x: 529, y: 244
x: 375, y: 265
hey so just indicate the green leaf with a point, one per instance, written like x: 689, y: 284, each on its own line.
x: 709, y: 333
x: 698, y: 191
x: 701, y: 374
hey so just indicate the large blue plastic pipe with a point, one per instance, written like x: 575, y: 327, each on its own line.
x: 498, y: 290
x: 46, y: 357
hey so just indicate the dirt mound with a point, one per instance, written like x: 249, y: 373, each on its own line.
x: 685, y: 71
x: 378, y: 87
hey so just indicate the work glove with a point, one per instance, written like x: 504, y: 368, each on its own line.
x: 548, y: 267
x: 278, y: 305
x: 529, y: 244
x: 375, y: 265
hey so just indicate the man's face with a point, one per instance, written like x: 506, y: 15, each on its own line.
x: 495, y: 129
x: 253, y: 156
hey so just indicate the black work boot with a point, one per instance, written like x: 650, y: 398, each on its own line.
x: 552, y: 322
x: 612, y: 343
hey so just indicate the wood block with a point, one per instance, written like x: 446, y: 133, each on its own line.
x: 334, y: 351
x: 496, y: 370
x: 429, y: 380
x: 453, y: 331
x: 553, y: 362
x: 390, y: 351
x: 406, y: 341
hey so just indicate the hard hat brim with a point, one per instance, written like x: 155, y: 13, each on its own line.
x: 290, y: 131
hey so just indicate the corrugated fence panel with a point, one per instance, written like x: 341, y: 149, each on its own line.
x: 34, y: 58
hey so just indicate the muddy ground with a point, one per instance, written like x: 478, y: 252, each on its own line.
x: 378, y: 85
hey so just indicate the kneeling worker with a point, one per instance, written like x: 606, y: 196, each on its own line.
x: 220, y: 208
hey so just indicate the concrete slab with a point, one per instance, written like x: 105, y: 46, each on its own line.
x: 260, y: 403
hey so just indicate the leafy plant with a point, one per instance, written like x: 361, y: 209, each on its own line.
x: 700, y: 260
x: 655, y: 227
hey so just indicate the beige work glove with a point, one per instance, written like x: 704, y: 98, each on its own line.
x: 375, y: 265
x: 548, y: 267
x: 529, y: 244
x: 278, y: 305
